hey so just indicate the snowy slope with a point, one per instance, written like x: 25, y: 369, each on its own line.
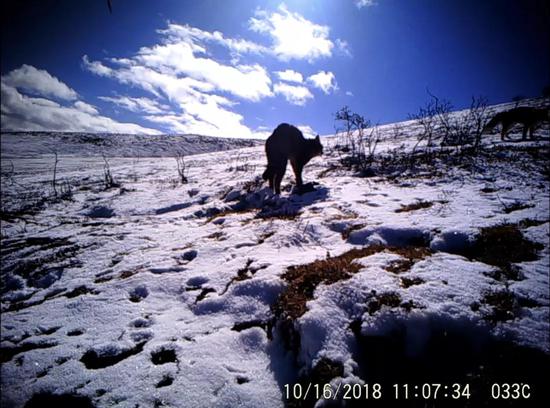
x: 156, y: 293
x: 33, y: 144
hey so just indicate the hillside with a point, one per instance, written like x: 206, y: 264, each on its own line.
x: 33, y: 144
x: 427, y: 267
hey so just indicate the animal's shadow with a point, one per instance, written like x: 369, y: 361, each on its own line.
x: 290, y: 206
x: 281, y: 206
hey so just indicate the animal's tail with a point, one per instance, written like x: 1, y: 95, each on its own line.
x: 268, y: 173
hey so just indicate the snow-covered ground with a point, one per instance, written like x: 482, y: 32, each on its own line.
x: 155, y: 293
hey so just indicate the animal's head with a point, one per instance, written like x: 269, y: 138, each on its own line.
x: 316, y: 147
x: 495, y: 120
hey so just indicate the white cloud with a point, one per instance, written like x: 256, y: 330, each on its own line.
x: 159, y: 67
x: 150, y: 80
x: 296, y: 95
x: 201, y: 88
x: 343, y: 47
x: 349, y: 93
x: 86, y: 108
x: 290, y: 76
x: 141, y: 104
x: 202, y: 113
x: 180, y: 69
x: 293, y: 36
x: 205, y: 119
x: 263, y: 132
x: 365, y: 3
x: 96, y: 67
x: 307, y: 131
x: 186, y: 33
x: 45, y: 102
x: 22, y: 112
x: 325, y: 81
x: 249, y: 82
x: 38, y: 81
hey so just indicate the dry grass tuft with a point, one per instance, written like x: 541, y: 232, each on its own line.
x: 303, y: 279
x: 390, y: 299
x: 505, y: 305
x: 530, y: 222
x: 412, y: 254
x: 415, y: 206
x: 229, y: 211
x: 346, y: 232
x: 408, y: 282
x: 503, y: 244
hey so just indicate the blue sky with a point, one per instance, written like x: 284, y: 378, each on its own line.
x: 239, y: 68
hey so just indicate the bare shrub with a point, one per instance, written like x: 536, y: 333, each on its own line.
x: 441, y: 127
x: 242, y: 163
x: 396, y: 131
x: 477, y: 118
x: 359, y: 138
x: 465, y: 128
x: 54, y: 181
x: 180, y: 161
x: 134, y: 175
x: 8, y: 176
x: 65, y: 191
x: 428, y: 117
x: 107, y: 175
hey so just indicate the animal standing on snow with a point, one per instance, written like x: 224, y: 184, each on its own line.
x: 529, y: 117
x: 288, y: 143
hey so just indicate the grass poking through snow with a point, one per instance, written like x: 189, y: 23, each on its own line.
x: 303, y: 279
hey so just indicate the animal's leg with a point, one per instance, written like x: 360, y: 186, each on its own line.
x: 531, y: 131
x: 273, y: 161
x: 504, y: 132
x: 279, y: 174
x: 297, y: 172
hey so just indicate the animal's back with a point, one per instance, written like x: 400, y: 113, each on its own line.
x: 526, y: 114
x: 286, y: 140
x: 523, y: 114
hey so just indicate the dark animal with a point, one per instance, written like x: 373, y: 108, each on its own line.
x: 527, y: 116
x: 288, y: 143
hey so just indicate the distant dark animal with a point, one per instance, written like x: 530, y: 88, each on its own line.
x: 527, y: 116
x: 288, y: 143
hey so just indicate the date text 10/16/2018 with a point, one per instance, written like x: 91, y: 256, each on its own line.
x: 426, y: 391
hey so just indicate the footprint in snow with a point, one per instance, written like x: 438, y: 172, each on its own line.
x: 164, y: 355
x: 139, y: 293
x: 141, y: 322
